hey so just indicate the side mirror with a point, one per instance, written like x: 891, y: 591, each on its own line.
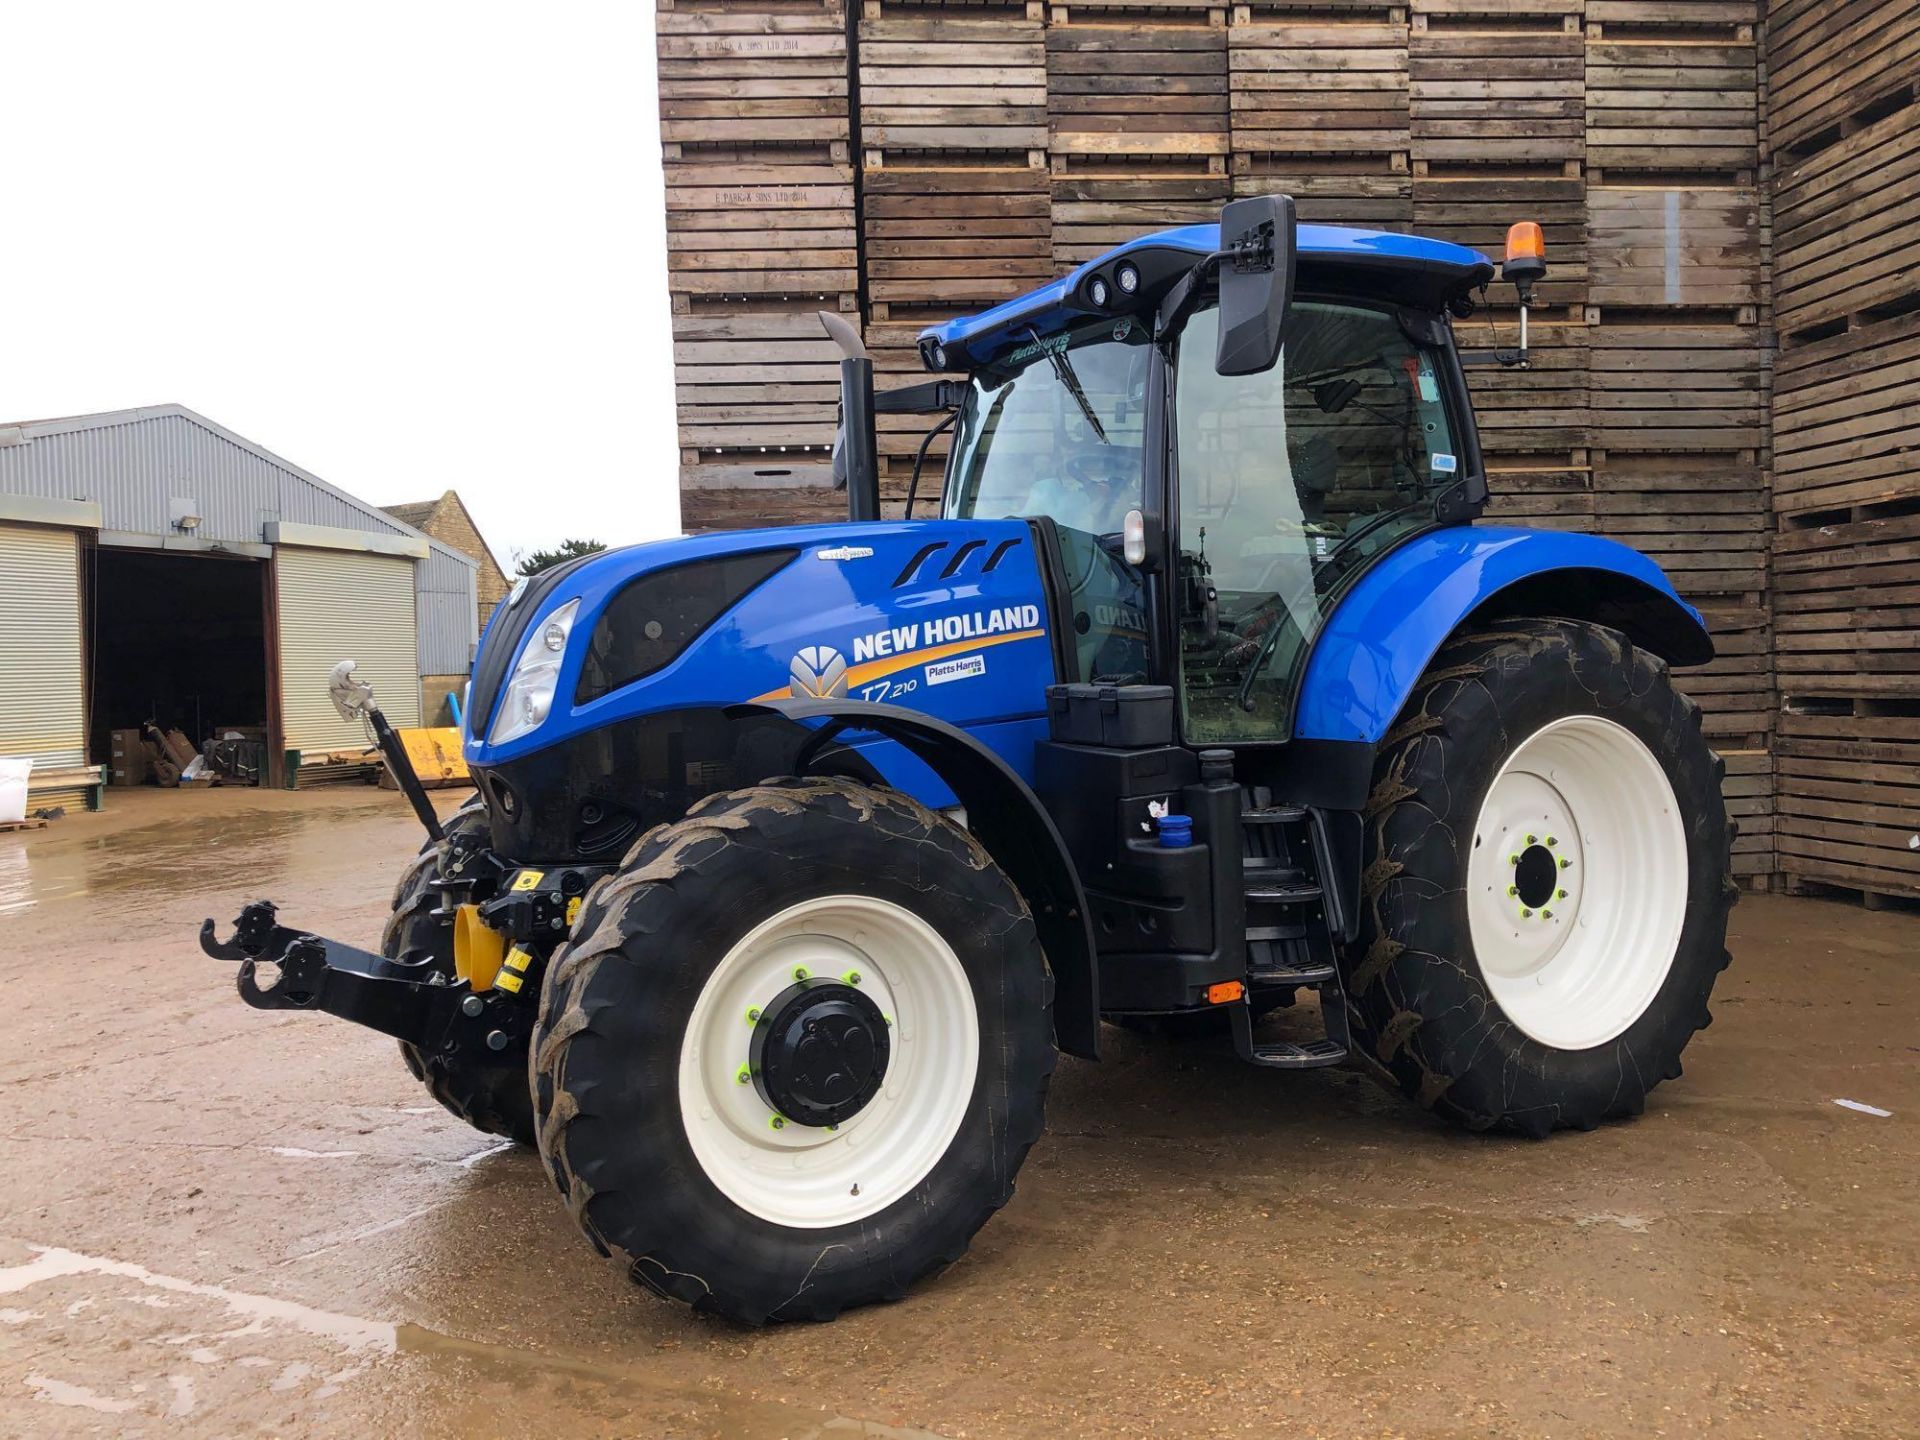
x: 1256, y: 282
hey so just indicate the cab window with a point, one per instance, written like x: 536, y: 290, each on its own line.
x: 1288, y: 481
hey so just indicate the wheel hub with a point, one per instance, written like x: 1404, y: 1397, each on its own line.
x: 819, y: 1052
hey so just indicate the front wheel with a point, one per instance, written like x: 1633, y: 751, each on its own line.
x: 1544, y: 906
x: 795, y: 1051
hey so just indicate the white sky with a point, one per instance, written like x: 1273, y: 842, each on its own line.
x: 406, y: 246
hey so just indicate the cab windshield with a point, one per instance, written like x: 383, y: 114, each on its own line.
x: 1054, y: 429
x: 1288, y: 482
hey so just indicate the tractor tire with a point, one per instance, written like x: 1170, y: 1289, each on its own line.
x: 1545, y: 889
x: 492, y: 1098
x: 733, y: 1164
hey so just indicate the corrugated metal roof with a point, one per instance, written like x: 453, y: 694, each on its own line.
x: 133, y: 461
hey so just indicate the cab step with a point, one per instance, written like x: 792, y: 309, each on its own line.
x: 1289, y: 937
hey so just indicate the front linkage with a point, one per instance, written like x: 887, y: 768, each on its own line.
x: 410, y: 1002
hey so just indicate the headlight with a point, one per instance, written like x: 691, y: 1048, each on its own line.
x: 536, y: 674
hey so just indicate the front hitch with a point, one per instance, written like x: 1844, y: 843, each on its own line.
x: 412, y: 1003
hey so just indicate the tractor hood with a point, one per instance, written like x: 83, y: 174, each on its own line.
x: 948, y: 617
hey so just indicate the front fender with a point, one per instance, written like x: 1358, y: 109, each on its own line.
x: 1374, y: 647
x: 1006, y: 817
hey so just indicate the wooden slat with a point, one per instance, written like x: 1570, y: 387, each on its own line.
x: 1133, y: 89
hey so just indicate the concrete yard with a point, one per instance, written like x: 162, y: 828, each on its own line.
x: 215, y: 1221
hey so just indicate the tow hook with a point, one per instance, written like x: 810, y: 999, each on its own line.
x: 409, y: 1002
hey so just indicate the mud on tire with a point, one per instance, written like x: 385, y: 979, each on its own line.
x: 493, y: 1099
x: 660, y: 937
x: 1422, y: 1006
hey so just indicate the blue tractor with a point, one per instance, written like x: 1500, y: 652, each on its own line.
x: 798, y: 854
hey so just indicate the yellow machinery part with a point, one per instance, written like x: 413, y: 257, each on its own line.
x: 478, y: 948
x: 436, y: 756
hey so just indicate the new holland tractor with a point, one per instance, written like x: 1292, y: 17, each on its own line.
x: 798, y: 854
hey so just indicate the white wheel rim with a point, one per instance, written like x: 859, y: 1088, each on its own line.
x: 1574, y: 965
x: 807, y: 1177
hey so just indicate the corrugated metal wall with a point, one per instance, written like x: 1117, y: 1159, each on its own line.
x: 343, y: 605
x: 44, y: 711
x: 448, y: 613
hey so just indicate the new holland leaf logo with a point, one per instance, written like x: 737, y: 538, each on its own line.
x: 818, y: 672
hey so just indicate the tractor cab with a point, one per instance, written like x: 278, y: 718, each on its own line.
x: 1253, y: 498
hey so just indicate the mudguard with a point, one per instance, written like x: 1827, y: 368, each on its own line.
x: 1374, y: 647
x: 1006, y: 817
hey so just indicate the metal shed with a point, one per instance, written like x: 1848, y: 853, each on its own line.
x: 152, y: 560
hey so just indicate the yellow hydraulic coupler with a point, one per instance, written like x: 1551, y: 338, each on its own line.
x: 478, y: 948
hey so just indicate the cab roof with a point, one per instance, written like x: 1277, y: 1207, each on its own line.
x: 1411, y: 268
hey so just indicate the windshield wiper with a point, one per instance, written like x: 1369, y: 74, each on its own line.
x: 1064, y: 373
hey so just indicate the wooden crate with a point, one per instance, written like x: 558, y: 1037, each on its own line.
x: 1683, y: 246
x: 761, y: 228
x: 1098, y: 205
x: 1846, y: 418
x: 1847, y: 612
x: 1497, y: 83
x: 941, y: 77
x: 705, y: 507
x: 740, y: 75
x: 1119, y: 87
x: 1541, y: 499
x: 1832, y: 63
x: 1847, y: 793
x: 896, y: 362
x: 1537, y: 419
x: 947, y: 235
x: 1667, y: 381
x: 1847, y: 226
x: 1671, y: 88
x: 757, y: 390
x: 1331, y: 87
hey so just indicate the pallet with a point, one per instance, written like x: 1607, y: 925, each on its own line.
x: 933, y: 79
x: 1119, y: 87
x: 1664, y: 381
x: 739, y: 75
x: 9, y: 827
x: 731, y: 508
x: 761, y: 227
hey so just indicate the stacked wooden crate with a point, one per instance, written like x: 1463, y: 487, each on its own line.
x: 1136, y: 121
x: 954, y: 208
x: 1496, y: 106
x: 1677, y: 347
x: 760, y: 235
x: 1320, y: 108
x: 1845, y: 133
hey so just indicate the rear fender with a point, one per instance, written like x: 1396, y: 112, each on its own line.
x: 1006, y: 817
x: 1375, y: 646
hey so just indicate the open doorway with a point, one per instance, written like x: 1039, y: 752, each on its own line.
x: 176, y: 639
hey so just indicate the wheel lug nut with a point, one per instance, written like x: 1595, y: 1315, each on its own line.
x: 743, y: 1075
x: 1546, y: 914
x: 1559, y: 894
x: 1513, y: 889
x: 753, y: 1015
x: 800, y: 972
x: 1552, y: 841
x: 778, y: 1122
x: 852, y: 977
x: 1525, y: 913
x: 1513, y: 859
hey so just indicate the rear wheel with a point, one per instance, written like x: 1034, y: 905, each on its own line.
x: 492, y: 1098
x: 1545, y: 897
x: 795, y: 1052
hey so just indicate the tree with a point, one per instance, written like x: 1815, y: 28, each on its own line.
x: 536, y: 561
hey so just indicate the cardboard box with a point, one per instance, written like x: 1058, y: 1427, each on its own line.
x: 130, y: 764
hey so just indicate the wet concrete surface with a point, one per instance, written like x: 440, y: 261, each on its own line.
x: 217, y: 1221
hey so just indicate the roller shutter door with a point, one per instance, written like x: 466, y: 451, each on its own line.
x: 343, y: 605
x: 42, y: 689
